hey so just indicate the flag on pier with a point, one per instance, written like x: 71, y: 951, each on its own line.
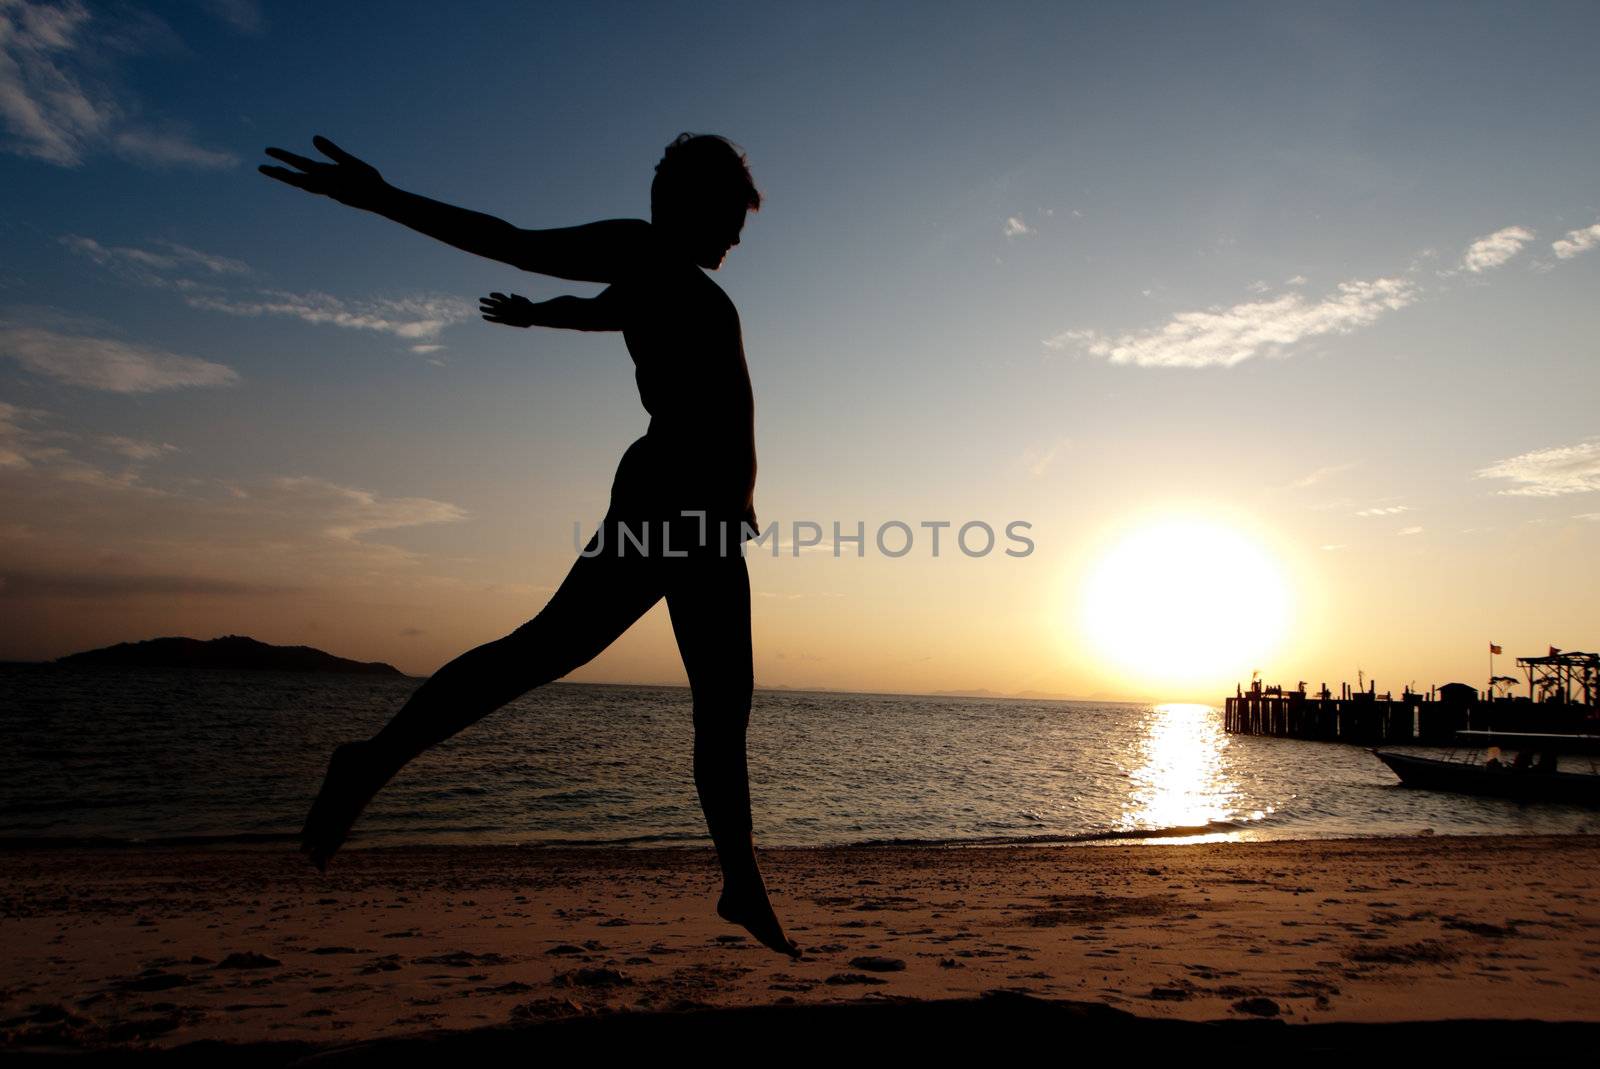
x: 1495, y: 649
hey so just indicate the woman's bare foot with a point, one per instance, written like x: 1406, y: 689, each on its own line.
x: 354, y: 776
x: 750, y: 908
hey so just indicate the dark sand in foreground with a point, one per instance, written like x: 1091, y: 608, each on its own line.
x: 167, y: 946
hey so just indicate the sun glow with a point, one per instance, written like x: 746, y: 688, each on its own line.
x: 1186, y: 602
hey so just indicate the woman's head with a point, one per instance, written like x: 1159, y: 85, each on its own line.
x: 701, y: 193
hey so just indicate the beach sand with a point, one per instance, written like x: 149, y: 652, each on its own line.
x: 162, y: 947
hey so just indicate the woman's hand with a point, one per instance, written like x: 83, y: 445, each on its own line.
x: 512, y: 310
x: 347, y: 179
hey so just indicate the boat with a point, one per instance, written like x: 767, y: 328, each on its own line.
x: 1524, y: 766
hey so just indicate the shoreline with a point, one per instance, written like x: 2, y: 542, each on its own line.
x: 1214, y: 834
x: 165, y: 946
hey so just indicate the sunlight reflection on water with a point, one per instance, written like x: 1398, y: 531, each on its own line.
x: 1182, y: 782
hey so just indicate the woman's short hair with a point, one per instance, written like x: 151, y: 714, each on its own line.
x: 702, y: 171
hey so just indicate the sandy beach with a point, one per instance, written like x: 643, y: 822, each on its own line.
x: 162, y: 947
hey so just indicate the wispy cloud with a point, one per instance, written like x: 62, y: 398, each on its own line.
x: 106, y: 363
x: 1037, y: 459
x: 1494, y: 250
x: 204, y: 280
x: 136, y: 448
x: 54, y: 110
x: 1015, y: 227
x: 1576, y: 241
x: 1407, y: 531
x: 48, y: 115
x: 172, y: 257
x: 404, y: 317
x: 19, y: 444
x: 29, y: 442
x: 1566, y: 469
x: 355, y: 512
x: 1385, y: 510
x: 86, y: 539
x: 242, y: 15
x: 169, y: 148
x: 1313, y: 478
x: 1224, y: 337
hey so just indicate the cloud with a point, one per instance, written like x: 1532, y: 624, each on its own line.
x: 1409, y: 531
x: 1566, y: 469
x: 172, y: 266
x: 48, y: 115
x: 1576, y: 241
x: 29, y: 445
x: 107, y: 364
x: 108, y: 558
x: 1038, y: 460
x: 1223, y: 337
x: 1381, y: 510
x: 1315, y: 477
x: 242, y: 15
x: 56, y: 107
x: 19, y: 444
x: 136, y: 449
x: 175, y: 257
x: 404, y: 317
x: 93, y: 534
x: 169, y: 149
x: 1015, y: 227
x: 1494, y: 250
x: 355, y: 512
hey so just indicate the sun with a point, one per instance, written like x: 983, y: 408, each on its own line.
x: 1186, y: 602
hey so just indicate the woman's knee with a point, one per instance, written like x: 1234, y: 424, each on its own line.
x: 723, y: 703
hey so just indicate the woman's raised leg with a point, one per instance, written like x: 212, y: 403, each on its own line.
x: 709, y: 598
x: 600, y: 598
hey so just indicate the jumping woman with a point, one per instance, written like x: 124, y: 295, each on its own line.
x: 681, y: 503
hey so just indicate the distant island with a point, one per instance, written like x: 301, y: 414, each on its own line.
x: 233, y: 652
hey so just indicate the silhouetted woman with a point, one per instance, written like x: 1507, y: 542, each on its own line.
x: 681, y: 502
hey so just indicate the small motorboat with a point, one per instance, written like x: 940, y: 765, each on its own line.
x: 1525, y: 767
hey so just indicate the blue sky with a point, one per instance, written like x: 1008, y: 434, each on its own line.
x: 1322, y: 271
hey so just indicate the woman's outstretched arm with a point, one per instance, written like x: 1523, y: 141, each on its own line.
x: 600, y: 312
x: 594, y: 252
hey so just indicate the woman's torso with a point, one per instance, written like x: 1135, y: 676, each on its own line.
x: 698, y: 453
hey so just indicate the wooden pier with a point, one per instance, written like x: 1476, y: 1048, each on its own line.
x: 1364, y: 718
x: 1562, y: 691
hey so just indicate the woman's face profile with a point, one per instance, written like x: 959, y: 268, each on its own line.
x: 721, y: 235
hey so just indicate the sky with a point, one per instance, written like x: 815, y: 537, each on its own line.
x: 1275, y: 324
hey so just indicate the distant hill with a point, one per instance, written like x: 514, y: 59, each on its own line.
x: 233, y: 652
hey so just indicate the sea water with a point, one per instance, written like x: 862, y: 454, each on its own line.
x: 218, y: 756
